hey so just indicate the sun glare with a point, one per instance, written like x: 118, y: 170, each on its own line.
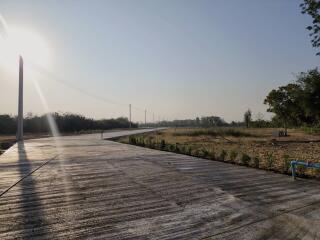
x: 22, y: 42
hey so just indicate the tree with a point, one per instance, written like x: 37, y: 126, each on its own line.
x: 284, y: 102
x: 247, y: 117
x: 310, y: 97
x: 312, y: 7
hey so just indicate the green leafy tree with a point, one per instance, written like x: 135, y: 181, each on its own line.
x: 310, y: 99
x: 284, y: 103
x: 297, y: 103
x: 312, y: 7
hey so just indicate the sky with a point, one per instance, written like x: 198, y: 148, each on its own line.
x: 176, y: 58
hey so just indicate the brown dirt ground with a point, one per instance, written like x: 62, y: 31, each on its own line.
x: 298, y: 145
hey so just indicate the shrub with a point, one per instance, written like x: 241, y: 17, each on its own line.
x: 256, y: 162
x: 162, y: 144
x: 196, y: 153
x: 233, y: 155
x: 286, y: 163
x: 245, y: 159
x: 189, y: 150
x: 205, y: 153
x: 172, y: 148
x: 141, y: 142
x: 212, y: 155
x: 132, y: 140
x: 223, y: 155
x: 270, y: 160
x: 152, y: 144
x: 177, y: 148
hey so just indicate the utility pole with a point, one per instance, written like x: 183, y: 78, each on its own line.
x: 130, y: 115
x: 145, y: 117
x: 20, y: 102
x: 153, y: 118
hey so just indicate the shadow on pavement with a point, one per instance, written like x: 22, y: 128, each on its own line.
x: 32, y: 211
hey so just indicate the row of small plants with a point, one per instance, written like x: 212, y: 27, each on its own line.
x: 236, y: 157
x: 215, y: 132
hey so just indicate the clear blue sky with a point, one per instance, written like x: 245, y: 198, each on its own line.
x: 178, y: 58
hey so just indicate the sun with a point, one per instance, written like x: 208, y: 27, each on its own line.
x: 26, y: 43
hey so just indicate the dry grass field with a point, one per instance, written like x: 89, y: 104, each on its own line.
x: 251, y: 147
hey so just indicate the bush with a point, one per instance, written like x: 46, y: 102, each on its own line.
x: 286, y: 163
x: 162, y: 144
x: 189, y: 150
x: 141, y: 142
x: 172, y: 147
x: 196, y: 153
x: 204, y: 153
x: 132, y: 140
x: 245, y: 159
x: 177, y: 148
x: 256, y: 162
x: 270, y: 160
x: 233, y: 155
x: 212, y: 155
x: 223, y: 155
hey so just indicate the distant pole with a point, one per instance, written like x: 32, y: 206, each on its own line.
x: 130, y: 115
x: 153, y: 117
x: 145, y: 117
x: 20, y: 102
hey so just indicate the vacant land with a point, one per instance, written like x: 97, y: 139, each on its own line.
x: 256, y: 148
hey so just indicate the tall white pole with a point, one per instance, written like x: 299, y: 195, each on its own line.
x: 20, y: 102
x: 130, y: 115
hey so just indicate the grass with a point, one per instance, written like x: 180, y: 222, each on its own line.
x: 255, y: 148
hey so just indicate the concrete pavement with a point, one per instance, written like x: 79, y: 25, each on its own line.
x: 98, y: 189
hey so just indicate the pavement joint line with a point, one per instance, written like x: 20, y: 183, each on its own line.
x: 261, y: 220
x: 27, y: 175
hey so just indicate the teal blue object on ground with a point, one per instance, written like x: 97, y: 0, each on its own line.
x: 301, y: 163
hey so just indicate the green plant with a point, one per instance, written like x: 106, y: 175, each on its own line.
x: 183, y: 149
x: 233, y: 155
x: 189, y: 150
x: 214, y: 133
x: 196, y: 153
x: 152, y: 144
x: 142, y: 142
x: 270, y: 160
x: 286, y: 163
x: 132, y: 140
x: 256, y: 162
x: 172, y: 147
x: 245, y: 159
x: 177, y: 148
x: 162, y: 144
x: 204, y: 153
x: 212, y: 154
x: 223, y: 155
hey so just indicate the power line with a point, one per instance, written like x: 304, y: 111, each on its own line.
x: 58, y: 79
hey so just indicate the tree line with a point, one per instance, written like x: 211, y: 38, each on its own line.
x: 66, y: 123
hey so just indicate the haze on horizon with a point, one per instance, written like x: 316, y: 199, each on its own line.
x: 179, y: 59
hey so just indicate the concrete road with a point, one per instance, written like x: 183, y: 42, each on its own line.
x: 98, y: 189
